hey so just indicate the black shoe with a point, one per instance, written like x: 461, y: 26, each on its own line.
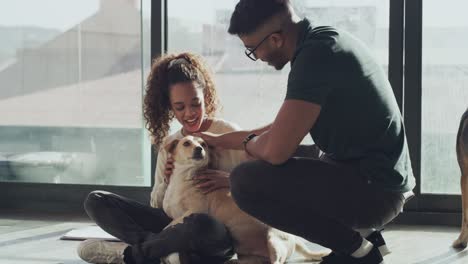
x: 378, y: 241
x: 373, y: 257
x: 375, y: 238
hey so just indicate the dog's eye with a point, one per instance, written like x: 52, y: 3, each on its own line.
x: 186, y: 144
x: 203, y: 144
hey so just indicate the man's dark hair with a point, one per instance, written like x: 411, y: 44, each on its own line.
x: 250, y: 14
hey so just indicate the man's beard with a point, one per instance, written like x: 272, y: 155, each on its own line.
x: 276, y: 61
x: 279, y: 67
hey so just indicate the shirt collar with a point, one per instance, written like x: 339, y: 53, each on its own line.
x: 304, y: 28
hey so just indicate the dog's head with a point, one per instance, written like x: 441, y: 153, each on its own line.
x: 189, y: 150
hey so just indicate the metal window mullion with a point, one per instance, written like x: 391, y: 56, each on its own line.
x: 412, y: 85
x: 158, y: 47
x: 396, y: 49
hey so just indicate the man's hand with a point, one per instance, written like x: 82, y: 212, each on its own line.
x: 210, y: 180
x: 168, y: 169
x: 212, y: 139
x: 232, y: 140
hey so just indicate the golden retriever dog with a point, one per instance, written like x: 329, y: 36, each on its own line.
x: 462, y: 157
x: 254, y: 242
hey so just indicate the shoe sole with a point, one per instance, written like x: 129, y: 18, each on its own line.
x: 384, y: 250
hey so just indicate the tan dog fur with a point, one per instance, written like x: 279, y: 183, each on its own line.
x: 462, y: 157
x: 254, y: 242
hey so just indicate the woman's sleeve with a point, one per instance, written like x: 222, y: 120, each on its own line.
x: 160, y: 186
x: 233, y: 157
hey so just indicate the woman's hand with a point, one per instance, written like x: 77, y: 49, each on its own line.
x: 168, y: 169
x: 210, y: 180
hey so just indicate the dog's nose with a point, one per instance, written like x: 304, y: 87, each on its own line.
x: 198, y: 149
x: 198, y: 153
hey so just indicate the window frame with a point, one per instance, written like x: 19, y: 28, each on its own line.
x: 49, y: 197
x: 424, y: 208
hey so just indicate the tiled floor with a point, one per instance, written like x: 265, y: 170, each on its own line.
x: 35, y: 240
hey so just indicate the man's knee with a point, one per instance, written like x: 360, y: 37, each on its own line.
x: 245, y: 179
x: 247, y: 174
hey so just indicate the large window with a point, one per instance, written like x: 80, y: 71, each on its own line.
x: 72, y: 75
x: 251, y: 92
x: 444, y: 92
x: 71, y: 84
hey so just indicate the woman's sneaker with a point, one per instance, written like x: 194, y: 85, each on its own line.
x: 101, y: 251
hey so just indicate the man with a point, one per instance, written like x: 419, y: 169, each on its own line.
x: 359, y: 172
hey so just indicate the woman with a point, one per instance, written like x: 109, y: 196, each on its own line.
x: 179, y: 86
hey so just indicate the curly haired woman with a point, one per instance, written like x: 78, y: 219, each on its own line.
x: 181, y: 87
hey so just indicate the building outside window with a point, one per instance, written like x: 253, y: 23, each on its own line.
x: 71, y: 86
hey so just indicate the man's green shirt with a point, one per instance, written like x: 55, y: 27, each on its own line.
x: 360, y: 119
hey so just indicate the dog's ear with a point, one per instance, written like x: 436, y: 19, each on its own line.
x: 171, y: 146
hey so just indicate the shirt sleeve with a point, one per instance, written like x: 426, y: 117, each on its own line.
x: 229, y: 158
x: 159, y: 188
x: 311, y: 75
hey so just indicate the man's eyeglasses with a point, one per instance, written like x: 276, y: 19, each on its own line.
x: 250, y: 52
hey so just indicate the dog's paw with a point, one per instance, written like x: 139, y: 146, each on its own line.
x: 459, y: 244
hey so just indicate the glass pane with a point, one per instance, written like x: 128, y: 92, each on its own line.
x: 242, y: 82
x: 444, y: 92
x: 71, y: 83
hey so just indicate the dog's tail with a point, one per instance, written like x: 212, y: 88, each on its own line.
x: 303, y: 250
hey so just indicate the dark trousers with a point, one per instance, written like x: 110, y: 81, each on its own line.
x: 315, y: 198
x: 200, y: 237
